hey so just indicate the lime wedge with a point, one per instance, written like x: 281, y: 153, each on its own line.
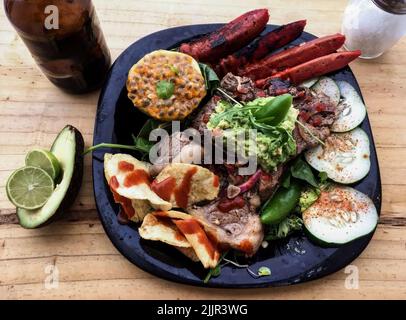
x: 29, y: 187
x: 45, y: 160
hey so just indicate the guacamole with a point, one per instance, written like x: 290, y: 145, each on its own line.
x: 273, y: 145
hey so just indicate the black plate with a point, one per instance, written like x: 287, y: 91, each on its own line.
x: 291, y: 261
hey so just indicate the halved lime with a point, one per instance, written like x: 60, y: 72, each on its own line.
x: 29, y: 187
x: 45, y: 160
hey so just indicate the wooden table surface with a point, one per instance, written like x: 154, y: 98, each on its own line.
x: 32, y: 111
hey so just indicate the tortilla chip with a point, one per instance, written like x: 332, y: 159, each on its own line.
x: 116, y: 178
x: 189, y: 252
x: 199, y: 183
x: 208, y: 254
x: 172, y: 214
x: 159, y: 229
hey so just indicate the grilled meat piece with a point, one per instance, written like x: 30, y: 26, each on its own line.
x: 240, y: 228
x: 269, y: 182
x: 240, y: 88
x: 203, y: 116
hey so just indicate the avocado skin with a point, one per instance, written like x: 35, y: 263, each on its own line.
x: 76, y: 181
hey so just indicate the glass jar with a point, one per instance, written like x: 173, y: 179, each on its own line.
x: 65, y: 39
x: 373, y: 26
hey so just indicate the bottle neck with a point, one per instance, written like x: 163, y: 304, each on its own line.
x: 391, y: 6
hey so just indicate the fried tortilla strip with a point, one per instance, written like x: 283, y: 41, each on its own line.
x: 205, y: 250
x: 159, y: 229
x: 189, y: 252
x: 172, y: 214
x: 184, y: 184
x: 129, y: 178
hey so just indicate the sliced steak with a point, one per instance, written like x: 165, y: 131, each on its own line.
x: 239, y: 228
x: 240, y: 88
x: 203, y: 115
x: 269, y: 182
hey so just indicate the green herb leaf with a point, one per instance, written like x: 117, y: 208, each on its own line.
x: 211, y: 79
x: 301, y: 170
x: 216, y: 271
x: 264, y: 271
x: 323, y: 176
x: 143, y: 144
x: 165, y: 89
x: 148, y: 126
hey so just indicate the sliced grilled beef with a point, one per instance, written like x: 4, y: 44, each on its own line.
x: 203, y: 116
x: 269, y: 182
x: 240, y: 228
x: 240, y: 88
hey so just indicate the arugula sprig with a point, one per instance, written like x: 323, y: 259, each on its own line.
x: 141, y: 141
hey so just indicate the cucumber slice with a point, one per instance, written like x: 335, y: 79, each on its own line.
x: 345, y: 157
x: 329, y: 87
x: 309, y: 83
x: 340, y: 215
x: 351, y: 109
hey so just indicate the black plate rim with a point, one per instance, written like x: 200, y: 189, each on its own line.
x: 146, y: 266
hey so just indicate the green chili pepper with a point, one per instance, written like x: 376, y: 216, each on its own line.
x: 274, y: 111
x: 281, y: 204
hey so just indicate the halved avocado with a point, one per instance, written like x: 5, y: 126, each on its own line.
x: 68, y: 148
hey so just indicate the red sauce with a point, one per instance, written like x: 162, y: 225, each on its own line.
x: 161, y: 214
x: 246, y: 246
x: 304, y: 116
x: 216, y: 182
x: 316, y: 120
x: 113, y: 183
x: 320, y: 107
x: 125, y: 166
x: 136, y: 177
x: 179, y: 236
x: 167, y: 187
x: 125, y: 203
x: 226, y: 205
x: 183, y: 190
x: 192, y: 227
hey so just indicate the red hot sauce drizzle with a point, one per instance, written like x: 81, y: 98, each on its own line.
x: 125, y: 166
x: 226, y: 205
x: 125, y: 203
x: 136, y: 177
x: 192, y: 227
x: 167, y: 187
x: 216, y: 182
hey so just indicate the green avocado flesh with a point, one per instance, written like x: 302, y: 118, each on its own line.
x: 68, y: 149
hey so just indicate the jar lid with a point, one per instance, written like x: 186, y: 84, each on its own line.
x: 392, y: 6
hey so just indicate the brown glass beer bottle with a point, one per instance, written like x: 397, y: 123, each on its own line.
x: 65, y: 39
